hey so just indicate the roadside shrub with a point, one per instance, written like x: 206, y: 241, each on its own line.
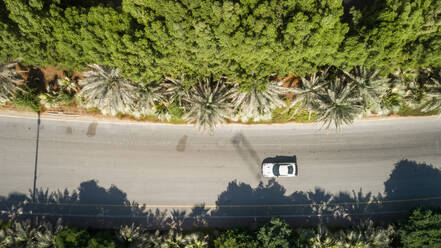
x: 276, y: 234
x: 235, y: 238
x: 422, y: 229
x: 27, y: 99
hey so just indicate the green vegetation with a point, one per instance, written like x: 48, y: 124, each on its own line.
x: 27, y: 99
x: 64, y: 94
x: 257, y: 104
x: 422, y: 229
x: 105, y: 89
x: 152, y: 59
x: 209, y: 104
x: 274, y: 234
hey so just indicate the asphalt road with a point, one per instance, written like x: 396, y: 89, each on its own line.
x: 175, y: 166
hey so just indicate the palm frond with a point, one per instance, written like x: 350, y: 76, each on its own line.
x: 307, y: 93
x: 147, y: 97
x: 337, y: 104
x: 104, y: 88
x: 9, y: 80
x: 432, y: 99
x: 369, y: 85
x: 209, y: 104
x: 258, y: 104
x: 132, y: 235
x: 175, y: 90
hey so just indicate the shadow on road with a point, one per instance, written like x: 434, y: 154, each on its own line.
x: 248, y: 154
x: 410, y: 185
x: 90, y: 205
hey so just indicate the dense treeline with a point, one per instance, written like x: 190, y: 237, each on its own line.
x: 207, y: 62
x: 421, y: 229
x: 243, y: 40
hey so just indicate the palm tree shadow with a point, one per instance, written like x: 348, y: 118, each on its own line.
x: 248, y: 154
x: 409, y: 185
x: 90, y: 206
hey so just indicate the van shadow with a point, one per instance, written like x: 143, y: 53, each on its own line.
x: 281, y: 159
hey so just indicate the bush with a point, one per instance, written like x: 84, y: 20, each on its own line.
x: 27, y: 99
x: 276, y: 234
x: 77, y: 237
x: 422, y: 229
x: 235, y: 238
x: 72, y: 238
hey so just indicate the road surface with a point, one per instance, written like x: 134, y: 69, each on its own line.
x: 171, y: 166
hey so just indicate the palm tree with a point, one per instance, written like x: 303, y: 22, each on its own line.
x: 105, y: 89
x: 257, y: 103
x: 162, y: 112
x: 432, y: 100
x: 9, y: 79
x: 46, y: 233
x: 319, y: 238
x: 209, y: 104
x: 337, y: 104
x: 370, y: 86
x: 366, y: 235
x: 20, y: 234
x: 132, y: 236
x: 28, y: 234
x: 147, y: 97
x: 175, y: 90
x: 177, y: 239
x: 307, y: 93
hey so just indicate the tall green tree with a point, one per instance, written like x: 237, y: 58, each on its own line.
x: 240, y: 40
x: 275, y: 234
x: 422, y: 229
x: 395, y: 34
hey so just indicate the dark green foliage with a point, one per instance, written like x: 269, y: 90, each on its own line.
x: 235, y: 238
x: 422, y: 229
x: 27, y: 99
x: 76, y: 237
x: 276, y: 234
x: 240, y: 40
x: 74, y: 37
x: 395, y: 34
x: 243, y: 40
x: 72, y: 238
x: 102, y: 240
x: 149, y: 39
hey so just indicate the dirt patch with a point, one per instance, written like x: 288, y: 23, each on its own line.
x: 51, y: 75
x: 22, y: 71
x: 291, y: 81
x: 77, y: 76
x: 41, y: 78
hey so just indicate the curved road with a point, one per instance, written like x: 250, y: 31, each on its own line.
x: 171, y: 166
